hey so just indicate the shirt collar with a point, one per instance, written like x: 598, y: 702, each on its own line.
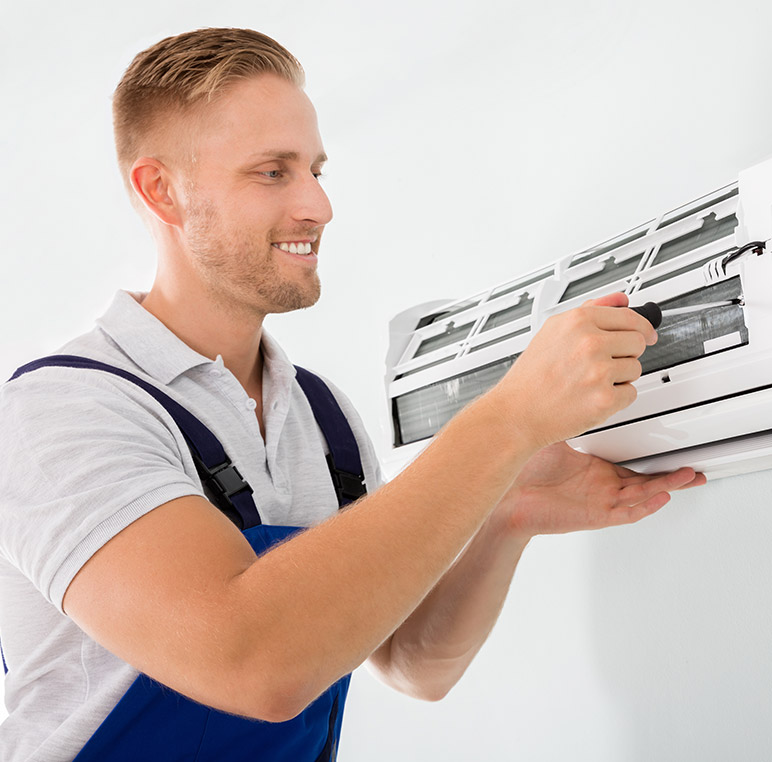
x: 275, y: 359
x: 278, y: 374
x: 162, y: 354
x: 147, y: 341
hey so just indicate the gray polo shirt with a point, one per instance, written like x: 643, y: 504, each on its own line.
x: 82, y: 455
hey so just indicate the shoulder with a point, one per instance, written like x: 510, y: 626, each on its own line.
x: 51, y: 397
x: 59, y: 388
x: 83, y: 454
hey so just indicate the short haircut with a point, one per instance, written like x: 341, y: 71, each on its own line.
x: 179, y: 73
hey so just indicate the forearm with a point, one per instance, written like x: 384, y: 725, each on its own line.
x: 336, y: 592
x: 431, y: 650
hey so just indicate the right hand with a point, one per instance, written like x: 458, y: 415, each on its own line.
x: 577, y: 370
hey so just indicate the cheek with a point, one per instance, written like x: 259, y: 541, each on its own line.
x: 259, y: 219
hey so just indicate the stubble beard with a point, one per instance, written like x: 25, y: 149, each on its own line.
x: 241, y: 273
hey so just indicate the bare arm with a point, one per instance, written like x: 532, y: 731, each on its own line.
x: 430, y: 651
x: 558, y: 490
x: 180, y: 594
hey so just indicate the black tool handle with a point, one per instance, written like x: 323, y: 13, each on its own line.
x: 651, y: 312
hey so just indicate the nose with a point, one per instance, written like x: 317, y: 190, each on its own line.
x: 312, y: 203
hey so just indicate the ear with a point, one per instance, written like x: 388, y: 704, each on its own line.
x: 152, y: 182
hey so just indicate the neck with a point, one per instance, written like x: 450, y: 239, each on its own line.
x: 211, y: 328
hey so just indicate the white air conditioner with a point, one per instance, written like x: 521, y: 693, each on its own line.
x: 705, y: 396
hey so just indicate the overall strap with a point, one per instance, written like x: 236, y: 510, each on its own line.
x: 227, y: 488
x: 344, y: 459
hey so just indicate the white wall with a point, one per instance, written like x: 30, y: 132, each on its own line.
x: 469, y: 143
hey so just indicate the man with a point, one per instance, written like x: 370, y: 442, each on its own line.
x: 120, y: 580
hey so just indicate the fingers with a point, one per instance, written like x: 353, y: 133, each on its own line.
x: 641, y: 488
x: 698, y: 481
x: 633, y: 513
x: 614, y: 355
x: 583, y: 363
x: 614, y: 319
x: 623, y: 343
x: 625, y: 370
x: 624, y: 396
x: 644, y: 494
x: 608, y: 356
x: 617, y: 299
x: 621, y: 319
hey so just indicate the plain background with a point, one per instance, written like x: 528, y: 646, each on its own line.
x: 469, y: 143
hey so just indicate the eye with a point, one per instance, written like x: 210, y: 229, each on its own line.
x: 273, y: 174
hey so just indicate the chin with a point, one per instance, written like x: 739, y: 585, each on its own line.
x: 292, y: 299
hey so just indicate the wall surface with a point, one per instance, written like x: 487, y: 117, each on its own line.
x: 469, y: 143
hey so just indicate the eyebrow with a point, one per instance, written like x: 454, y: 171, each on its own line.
x: 287, y: 156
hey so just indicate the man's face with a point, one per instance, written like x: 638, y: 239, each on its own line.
x: 254, y: 210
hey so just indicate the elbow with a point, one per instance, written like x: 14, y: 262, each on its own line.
x: 437, y: 695
x: 287, y: 702
x: 407, y: 670
x: 275, y: 711
x: 424, y: 687
x: 269, y: 695
x: 265, y: 706
x: 432, y: 692
x: 273, y: 682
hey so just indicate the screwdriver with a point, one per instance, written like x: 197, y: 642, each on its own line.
x: 654, y: 314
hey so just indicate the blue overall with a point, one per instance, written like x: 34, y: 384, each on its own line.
x: 152, y: 723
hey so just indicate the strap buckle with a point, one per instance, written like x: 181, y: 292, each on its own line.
x: 348, y: 487
x: 223, y: 482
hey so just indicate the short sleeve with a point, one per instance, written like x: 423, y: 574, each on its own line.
x: 82, y: 456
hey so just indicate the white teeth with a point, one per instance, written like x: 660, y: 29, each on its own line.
x: 295, y: 248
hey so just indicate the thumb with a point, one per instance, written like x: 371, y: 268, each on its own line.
x: 611, y: 300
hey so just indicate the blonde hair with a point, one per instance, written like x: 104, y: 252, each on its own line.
x: 179, y: 73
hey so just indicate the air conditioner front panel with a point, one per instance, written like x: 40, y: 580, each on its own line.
x: 725, y: 419
x: 717, y: 459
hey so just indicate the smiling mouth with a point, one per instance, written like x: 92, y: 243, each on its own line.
x: 302, y: 248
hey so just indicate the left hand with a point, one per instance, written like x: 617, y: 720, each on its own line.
x: 562, y: 490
